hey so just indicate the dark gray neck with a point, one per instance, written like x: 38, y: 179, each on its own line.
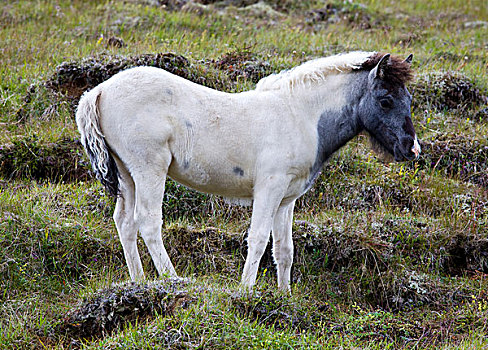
x: 336, y: 128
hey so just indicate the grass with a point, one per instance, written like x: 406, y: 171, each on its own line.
x: 387, y: 255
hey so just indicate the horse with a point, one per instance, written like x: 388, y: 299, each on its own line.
x: 266, y: 146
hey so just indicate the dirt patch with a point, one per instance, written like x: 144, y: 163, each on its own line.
x: 114, y: 41
x: 447, y: 91
x: 110, y: 309
x: 63, y: 160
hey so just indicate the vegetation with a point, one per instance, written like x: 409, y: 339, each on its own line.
x: 387, y: 255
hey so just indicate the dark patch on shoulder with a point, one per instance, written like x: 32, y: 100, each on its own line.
x: 186, y: 164
x: 238, y: 171
x: 188, y: 124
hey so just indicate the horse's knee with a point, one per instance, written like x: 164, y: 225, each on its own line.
x: 285, y: 257
x: 257, y: 245
x: 149, y: 224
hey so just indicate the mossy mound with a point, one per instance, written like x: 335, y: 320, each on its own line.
x: 274, y: 309
x: 242, y: 64
x: 109, y: 309
x: 61, y: 91
x: 447, y: 91
x: 352, y: 14
x: 28, y: 158
x: 457, y: 156
x: 74, y: 77
x: 393, y: 264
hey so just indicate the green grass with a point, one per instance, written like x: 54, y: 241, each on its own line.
x: 388, y: 255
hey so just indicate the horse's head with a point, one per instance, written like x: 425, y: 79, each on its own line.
x: 384, y: 110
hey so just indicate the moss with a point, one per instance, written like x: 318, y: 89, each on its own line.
x: 277, y: 310
x: 394, y: 264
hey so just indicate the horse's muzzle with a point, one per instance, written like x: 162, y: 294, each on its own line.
x: 416, y: 149
x: 407, y: 149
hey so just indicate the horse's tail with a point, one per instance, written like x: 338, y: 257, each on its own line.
x: 88, y: 121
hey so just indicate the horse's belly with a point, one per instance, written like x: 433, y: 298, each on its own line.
x: 233, y: 183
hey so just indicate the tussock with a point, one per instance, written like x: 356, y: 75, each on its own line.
x: 447, y: 91
x: 457, y: 156
x: 27, y: 158
x: 110, y: 309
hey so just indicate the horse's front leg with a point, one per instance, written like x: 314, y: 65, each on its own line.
x: 268, y: 195
x: 283, y: 244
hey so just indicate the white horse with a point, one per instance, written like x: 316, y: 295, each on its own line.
x: 267, y: 145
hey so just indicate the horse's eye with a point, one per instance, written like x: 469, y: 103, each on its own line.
x: 386, y: 102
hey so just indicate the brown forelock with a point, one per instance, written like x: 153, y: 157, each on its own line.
x: 398, y: 72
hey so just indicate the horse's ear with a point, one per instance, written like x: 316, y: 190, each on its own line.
x: 382, y: 64
x: 409, y: 59
x: 380, y: 70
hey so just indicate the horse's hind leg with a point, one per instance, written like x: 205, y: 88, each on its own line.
x: 124, y: 221
x: 149, y: 187
x: 283, y: 244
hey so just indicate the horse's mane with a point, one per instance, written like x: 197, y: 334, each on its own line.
x: 315, y: 71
